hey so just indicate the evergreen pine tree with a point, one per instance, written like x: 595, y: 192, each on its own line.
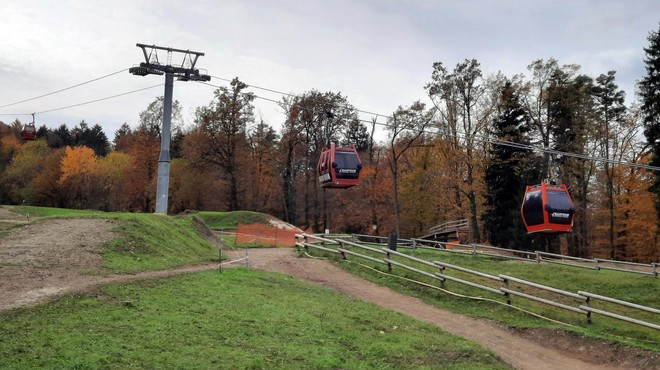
x: 649, y: 93
x: 507, y: 174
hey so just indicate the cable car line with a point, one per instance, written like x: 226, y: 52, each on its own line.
x: 98, y: 100
x: 64, y: 89
x: 85, y: 103
x: 483, y: 140
x: 477, y: 138
x: 293, y: 95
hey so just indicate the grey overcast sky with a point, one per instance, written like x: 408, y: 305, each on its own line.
x: 378, y: 53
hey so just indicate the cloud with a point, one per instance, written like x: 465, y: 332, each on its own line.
x: 377, y: 53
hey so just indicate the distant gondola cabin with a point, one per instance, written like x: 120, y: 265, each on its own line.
x: 548, y: 209
x: 339, y: 168
x: 29, y: 132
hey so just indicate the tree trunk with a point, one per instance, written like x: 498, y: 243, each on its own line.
x: 307, y: 202
x: 233, y: 191
x: 395, y: 198
x: 288, y: 188
x: 610, y: 207
x: 473, y: 217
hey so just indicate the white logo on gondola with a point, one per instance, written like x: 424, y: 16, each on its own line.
x: 560, y: 215
x: 347, y: 170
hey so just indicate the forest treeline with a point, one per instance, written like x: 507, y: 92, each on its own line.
x: 465, y: 154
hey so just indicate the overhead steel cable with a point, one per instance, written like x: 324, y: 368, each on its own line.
x: 83, y: 103
x: 293, y: 95
x: 459, y: 136
x: 98, y: 100
x: 64, y: 89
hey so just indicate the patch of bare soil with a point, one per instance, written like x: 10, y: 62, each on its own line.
x: 42, y: 260
x: 45, y: 258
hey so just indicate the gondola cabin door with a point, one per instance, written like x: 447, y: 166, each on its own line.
x: 339, y: 168
x: 548, y: 209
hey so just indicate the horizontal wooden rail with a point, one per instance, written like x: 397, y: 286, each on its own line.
x: 456, y: 225
x: 542, y: 300
x: 309, y: 245
x: 620, y: 317
x: 506, y: 256
x: 373, y: 259
x: 473, y: 272
x: 470, y: 283
x: 548, y: 260
x: 532, y: 254
x: 544, y: 287
x: 365, y: 247
x: 626, y: 270
x: 425, y: 262
x: 320, y: 238
x: 622, y: 303
x: 624, y: 262
x: 422, y: 272
x: 565, y: 257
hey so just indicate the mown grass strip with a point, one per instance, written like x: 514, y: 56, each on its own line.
x: 236, y: 319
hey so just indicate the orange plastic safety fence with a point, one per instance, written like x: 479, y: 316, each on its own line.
x: 265, y: 235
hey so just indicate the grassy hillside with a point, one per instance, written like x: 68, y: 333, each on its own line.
x: 145, y: 241
x: 235, y: 319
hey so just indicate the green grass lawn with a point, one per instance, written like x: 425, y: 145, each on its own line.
x: 230, y: 220
x: 236, y: 319
x: 49, y: 212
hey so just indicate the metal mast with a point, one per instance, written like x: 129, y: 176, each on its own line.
x: 186, y: 71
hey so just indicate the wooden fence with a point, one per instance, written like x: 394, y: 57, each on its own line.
x: 580, y: 302
x: 597, y: 264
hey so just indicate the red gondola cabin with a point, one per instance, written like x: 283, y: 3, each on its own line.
x: 339, y: 168
x: 29, y: 132
x: 548, y: 209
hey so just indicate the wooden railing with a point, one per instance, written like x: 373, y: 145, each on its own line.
x: 385, y: 256
x: 451, y: 226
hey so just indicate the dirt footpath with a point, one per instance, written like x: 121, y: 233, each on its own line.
x: 42, y: 260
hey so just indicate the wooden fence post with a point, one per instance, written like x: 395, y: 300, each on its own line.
x: 389, y: 265
x: 588, y: 303
x: 442, y: 281
x: 508, y: 296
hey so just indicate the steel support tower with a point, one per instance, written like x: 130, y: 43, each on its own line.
x: 186, y: 71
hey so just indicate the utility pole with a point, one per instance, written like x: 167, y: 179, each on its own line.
x: 186, y: 71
